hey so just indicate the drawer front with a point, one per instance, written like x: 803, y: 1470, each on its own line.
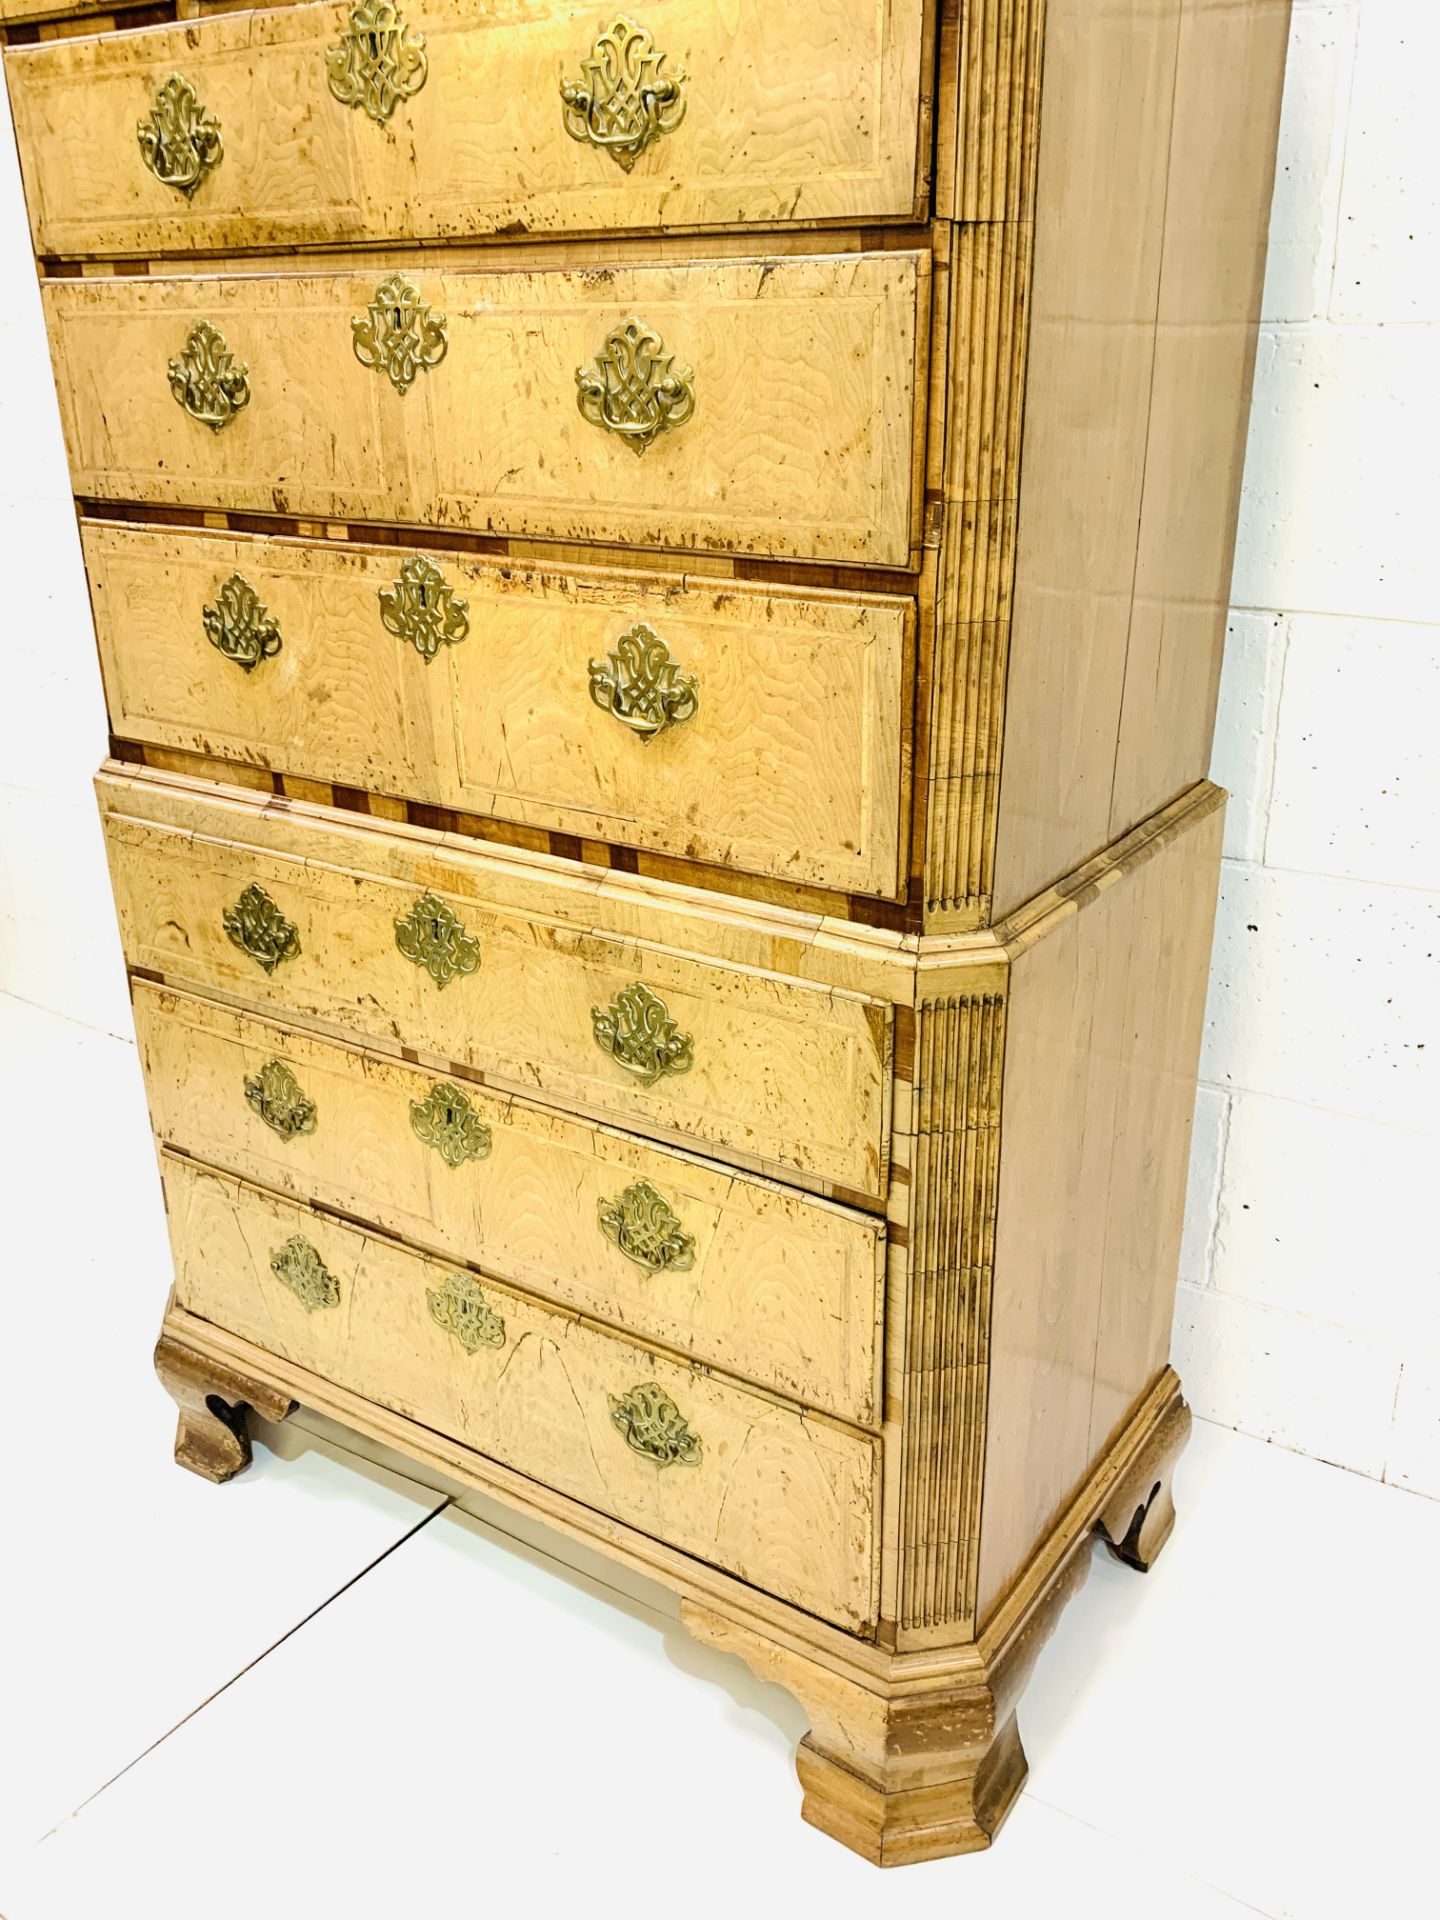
x: 396, y: 935
x: 786, y: 1501
x: 17, y: 10
x: 744, y: 726
x: 797, y: 114
x: 779, y: 1288
x: 758, y: 408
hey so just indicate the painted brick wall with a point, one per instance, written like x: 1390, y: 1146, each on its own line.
x: 1308, y: 1311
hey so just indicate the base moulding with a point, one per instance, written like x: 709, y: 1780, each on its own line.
x: 911, y: 1754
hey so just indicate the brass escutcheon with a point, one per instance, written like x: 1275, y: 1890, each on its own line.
x: 422, y: 608
x: 445, y: 1120
x: 398, y: 335
x: 433, y: 936
x: 377, y: 63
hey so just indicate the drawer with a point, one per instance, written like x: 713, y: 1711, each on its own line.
x: 726, y: 1269
x: 490, y: 961
x: 12, y: 11
x: 786, y: 115
x: 763, y: 407
x: 785, y: 1500
x: 745, y: 726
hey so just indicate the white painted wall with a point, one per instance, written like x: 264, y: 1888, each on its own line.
x: 58, y: 945
x: 1308, y: 1309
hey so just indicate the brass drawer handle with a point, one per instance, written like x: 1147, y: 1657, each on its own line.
x: 377, y: 63
x: 398, y: 335
x: 621, y: 101
x: 422, y: 608
x: 206, y: 381
x: 460, y: 1307
x: 277, y: 1096
x: 646, y: 1229
x: 300, y: 1267
x: 642, y: 684
x: 653, y: 1425
x: 180, y: 142
x: 633, y: 387
x: 445, y: 1120
x: 239, y: 624
x: 637, y: 1032
x: 433, y: 936
x: 257, y: 926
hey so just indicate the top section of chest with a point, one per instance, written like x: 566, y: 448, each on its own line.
x: 952, y: 307
x: 433, y: 120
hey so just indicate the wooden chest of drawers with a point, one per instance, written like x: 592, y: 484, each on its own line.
x: 660, y: 581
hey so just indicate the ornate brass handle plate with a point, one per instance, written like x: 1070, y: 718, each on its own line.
x: 633, y: 387
x: 642, y: 685
x: 460, y: 1307
x: 206, y: 381
x: 637, y: 1032
x: 398, y: 335
x: 257, y: 926
x: 300, y: 1267
x: 434, y: 937
x: 281, y: 1102
x: 644, y: 1226
x: 640, y: 1035
x: 422, y: 608
x: 378, y: 63
x: 622, y: 101
x: 180, y: 142
x: 445, y: 1120
x: 239, y: 624
x: 653, y: 1425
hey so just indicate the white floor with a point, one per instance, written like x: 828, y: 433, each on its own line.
x: 325, y: 1691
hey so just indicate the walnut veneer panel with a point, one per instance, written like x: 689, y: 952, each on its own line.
x: 796, y: 114
x: 778, y: 457
x: 1155, y: 171
x: 776, y: 1287
x: 785, y: 1073
x: 1217, y: 208
x: 1098, y: 1096
x: 791, y: 765
x: 542, y: 1400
